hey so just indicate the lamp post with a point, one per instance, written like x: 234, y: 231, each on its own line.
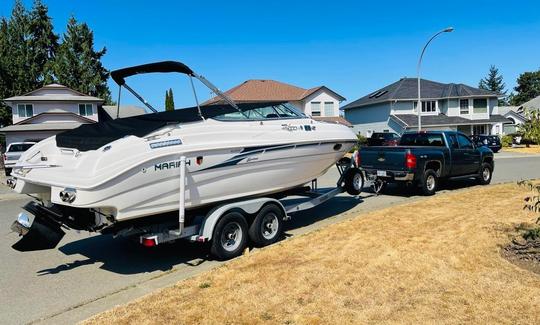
x: 419, y: 102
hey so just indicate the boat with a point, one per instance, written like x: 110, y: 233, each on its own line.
x: 118, y: 171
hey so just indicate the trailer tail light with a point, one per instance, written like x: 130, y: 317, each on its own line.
x: 149, y: 241
x: 4, y: 157
x: 410, y: 160
x: 357, y: 159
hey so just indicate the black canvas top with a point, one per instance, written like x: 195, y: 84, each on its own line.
x: 93, y: 136
x: 165, y: 66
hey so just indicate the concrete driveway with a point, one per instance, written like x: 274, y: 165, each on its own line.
x: 88, y: 273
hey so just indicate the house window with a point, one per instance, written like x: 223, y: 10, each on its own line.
x: 479, y: 129
x: 315, y: 108
x: 25, y: 110
x: 85, y: 109
x: 429, y: 106
x: 328, y: 108
x: 479, y: 105
x: 464, y: 106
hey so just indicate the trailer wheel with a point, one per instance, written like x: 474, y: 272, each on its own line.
x: 354, y: 181
x: 267, y: 227
x: 230, y: 236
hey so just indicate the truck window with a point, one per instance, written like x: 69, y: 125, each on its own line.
x: 422, y: 139
x: 464, y: 143
x: 453, y: 141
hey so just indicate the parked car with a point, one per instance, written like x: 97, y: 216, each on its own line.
x: 493, y: 142
x: 12, y: 154
x: 426, y: 158
x: 383, y: 139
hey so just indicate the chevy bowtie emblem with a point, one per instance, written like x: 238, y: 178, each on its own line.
x: 381, y: 159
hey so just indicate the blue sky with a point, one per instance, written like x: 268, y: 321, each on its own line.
x: 353, y: 47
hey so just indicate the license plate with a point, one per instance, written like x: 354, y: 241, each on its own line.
x: 381, y: 173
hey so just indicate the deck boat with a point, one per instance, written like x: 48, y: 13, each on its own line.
x: 115, y: 171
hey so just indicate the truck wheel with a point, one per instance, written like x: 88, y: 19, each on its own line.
x: 267, y: 227
x: 486, y: 172
x: 7, y: 171
x: 429, y: 182
x: 230, y: 236
x: 354, y: 181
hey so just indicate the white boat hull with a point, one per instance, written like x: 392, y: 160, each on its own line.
x: 141, y: 181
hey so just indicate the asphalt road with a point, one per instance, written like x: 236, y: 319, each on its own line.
x: 88, y: 273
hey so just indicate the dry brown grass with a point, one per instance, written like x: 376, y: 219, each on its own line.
x: 533, y: 149
x: 431, y: 261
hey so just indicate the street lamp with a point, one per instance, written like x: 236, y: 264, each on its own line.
x: 419, y: 102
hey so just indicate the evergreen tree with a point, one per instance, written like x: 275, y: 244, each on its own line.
x: 42, y: 45
x: 16, y: 61
x: 169, y: 100
x: 528, y: 87
x: 78, y: 65
x: 5, y: 114
x: 494, y: 82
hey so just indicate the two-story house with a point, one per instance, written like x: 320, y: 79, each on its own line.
x: 444, y: 107
x: 55, y: 108
x: 319, y: 102
x: 47, y: 111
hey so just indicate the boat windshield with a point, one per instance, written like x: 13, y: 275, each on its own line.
x: 277, y: 111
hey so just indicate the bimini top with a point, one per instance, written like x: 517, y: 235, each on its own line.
x: 165, y: 66
x: 94, y: 136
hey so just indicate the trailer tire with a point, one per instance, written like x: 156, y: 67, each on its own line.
x: 267, y: 226
x: 354, y: 181
x: 230, y: 236
x: 429, y: 182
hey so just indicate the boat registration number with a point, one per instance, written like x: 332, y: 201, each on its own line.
x: 381, y: 173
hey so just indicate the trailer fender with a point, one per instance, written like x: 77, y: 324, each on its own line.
x: 248, y: 207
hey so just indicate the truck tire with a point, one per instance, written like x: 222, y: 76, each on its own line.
x: 230, y: 236
x: 429, y: 182
x: 486, y: 172
x: 354, y: 181
x: 267, y: 226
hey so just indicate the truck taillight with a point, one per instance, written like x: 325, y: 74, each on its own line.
x: 410, y: 160
x: 357, y: 159
x: 4, y: 157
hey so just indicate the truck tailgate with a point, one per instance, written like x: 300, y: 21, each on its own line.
x: 384, y: 158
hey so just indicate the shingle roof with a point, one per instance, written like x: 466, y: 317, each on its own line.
x: 268, y: 91
x: 532, y: 104
x: 125, y: 111
x: 41, y: 127
x: 411, y: 120
x: 75, y: 96
x: 407, y: 89
x: 333, y: 119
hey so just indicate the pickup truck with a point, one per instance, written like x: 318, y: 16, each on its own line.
x: 13, y: 153
x: 425, y: 158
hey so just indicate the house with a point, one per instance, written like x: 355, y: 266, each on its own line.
x: 319, y: 102
x: 517, y: 114
x: 52, y: 109
x: 444, y: 107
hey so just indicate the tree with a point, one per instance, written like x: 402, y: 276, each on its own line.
x: 531, y: 127
x: 528, y: 87
x: 493, y: 82
x: 5, y: 115
x: 169, y: 100
x: 42, y: 45
x: 78, y: 66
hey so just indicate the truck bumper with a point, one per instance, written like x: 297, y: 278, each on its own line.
x: 391, y: 175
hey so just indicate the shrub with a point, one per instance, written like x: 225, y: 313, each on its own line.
x: 362, y: 140
x: 506, y: 140
x: 532, y: 203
